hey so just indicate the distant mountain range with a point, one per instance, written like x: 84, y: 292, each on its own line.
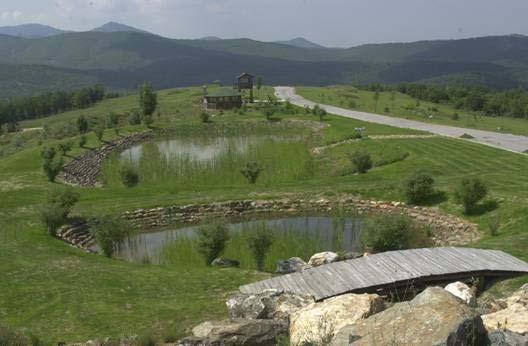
x: 121, y: 57
x: 30, y: 31
x: 300, y: 42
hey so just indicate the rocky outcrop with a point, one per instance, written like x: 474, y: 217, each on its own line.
x: 504, y: 337
x: 294, y: 264
x: 317, y: 323
x: 76, y: 234
x: 434, y: 317
x: 462, y: 291
x: 249, y: 332
x: 323, y: 258
x: 446, y: 229
x: 514, y: 317
x: 268, y: 304
x: 85, y: 169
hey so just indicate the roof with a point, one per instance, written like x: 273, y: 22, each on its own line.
x: 394, y: 270
x: 245, y: 75
x: 223, y: 92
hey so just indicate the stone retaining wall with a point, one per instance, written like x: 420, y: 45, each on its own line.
x: 85, y: 169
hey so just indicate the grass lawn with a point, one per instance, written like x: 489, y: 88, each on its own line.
x: 404, y: 106
x: 61, y: 293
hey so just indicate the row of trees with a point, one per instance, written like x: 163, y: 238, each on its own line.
x: 50, y: 103
x: 512, y: 103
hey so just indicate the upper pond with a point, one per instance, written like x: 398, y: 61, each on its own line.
x: 300, y: 236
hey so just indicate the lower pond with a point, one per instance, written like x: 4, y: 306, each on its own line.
x: 300, y: 236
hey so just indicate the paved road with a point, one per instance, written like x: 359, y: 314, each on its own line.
x: 495, y: 139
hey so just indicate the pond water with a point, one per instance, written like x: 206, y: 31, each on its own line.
x: 294, y: 236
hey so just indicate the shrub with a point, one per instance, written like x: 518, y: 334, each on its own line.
x: 361, y: 161
x: 259, y: 243
x: 419, y: 187
x: 99, y: 133
x: 65, y: 147
x: 205, y: 117
x: 251, y: 172
x: 55, y: 213
x: 82, y: 124
x: 147, y: 120
x: 129, y: 175
x: 51, y: 164
x: 134, y: 118
x: 82, y: 141
x: 392, y: 232
x: 469, y: 192
x: 320, y: 112
x: 111, y: 120
x: 455, y: 116
x: 212, y: 241
x: 109, y: 232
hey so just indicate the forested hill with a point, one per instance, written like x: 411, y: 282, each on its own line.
x: 121, y: 60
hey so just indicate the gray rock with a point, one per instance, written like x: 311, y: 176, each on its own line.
x: 294, y: 264
x: 266, y: 305
x: 350, y: 255
x: 323, y: 258
x: 504, y: 337
x: 434, y: 317
x: 225, y: 262
x: 237, y: 332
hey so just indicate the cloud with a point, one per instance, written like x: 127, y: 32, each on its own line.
x: 11, y: 16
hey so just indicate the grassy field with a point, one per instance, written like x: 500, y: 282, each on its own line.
x: 404, y: 106
x: 60, y: 293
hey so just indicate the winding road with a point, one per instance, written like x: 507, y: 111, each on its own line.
x: 504, y: 141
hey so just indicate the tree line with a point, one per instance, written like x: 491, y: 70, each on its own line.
x: 511, y: 103
x: 50, y: 103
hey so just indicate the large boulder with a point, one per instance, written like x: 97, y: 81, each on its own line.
x: 462, y: 291
x: 294, y: 264
x: 249, y: 332
x: 504, y: 337
x: 434, y: 317
x: 323, y: 258
x: 267, y: 304
x: 514, y: 317
x: 316, y: 323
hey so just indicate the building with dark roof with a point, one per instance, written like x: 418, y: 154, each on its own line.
x: 222, y: 98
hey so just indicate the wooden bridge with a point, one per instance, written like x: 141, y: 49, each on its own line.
x: 395, y: 271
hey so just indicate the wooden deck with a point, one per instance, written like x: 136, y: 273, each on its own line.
x: 395, y: 270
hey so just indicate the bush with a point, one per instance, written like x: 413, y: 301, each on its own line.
x: 55, y: 213
x: 392, y: 232
x: 111, y: 120
x: 320, y: 112
x: 251, y: 172
x: 134, y: 118
x: 82, y: 124
x: 82, y: 141
x: 99, y: 133
x: 469, y: 192
x: 419, y: 187
x: 129, y: 175
x: 455, y: 116
x: 361, y: 161
x: 205, y: 117
x: 65, y: 147
x: 147, y: 120
x: 259, y: 244
x: 109, y: 232
x: 212, y: 241
x: 51, y: 164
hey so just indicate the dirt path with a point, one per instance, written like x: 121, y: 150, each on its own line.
x: 504, y: 141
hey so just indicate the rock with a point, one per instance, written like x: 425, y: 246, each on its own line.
x: 267, y: 304
x: 462, y: 291
x: 317, y: 322
x: 514, y: 317
x: 294, y: 264
x: 434, y: 317
x: 323, y: 258
x: 225, y: 262
x: 504, y: 337
x: 350, y: 255
x: 237, y: 332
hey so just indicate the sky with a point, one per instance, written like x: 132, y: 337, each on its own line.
x: 334, y: 23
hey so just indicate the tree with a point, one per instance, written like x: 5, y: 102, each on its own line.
x: 129, y: 175
x: 392, y: 232
x: 99, y: 133
x: 376, y: 97
x: 134, y: 118
x: 51, y: 164
x: 259, y: 243
x: 211, y: 241
x: 82, y: 124
x: 148, y: 99
x: 251, y: 172
x: 109, y: 232
x: 112, y: 120
x: 419, y: 187
x: 361, y: 161
x: 147, y: 120
x: 393, y: 99
x: 82, y: 141
x: 259, y: 84
x: 469, y: 192
x: 205, y: 117
x: 59, y: 204
x: 65, y: 147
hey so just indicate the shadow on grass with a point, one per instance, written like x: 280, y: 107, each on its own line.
x: 436, y: 198
x: 484, y: 208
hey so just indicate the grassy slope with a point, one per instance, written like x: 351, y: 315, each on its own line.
x: 61, y: 293
x: 349, y: 97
